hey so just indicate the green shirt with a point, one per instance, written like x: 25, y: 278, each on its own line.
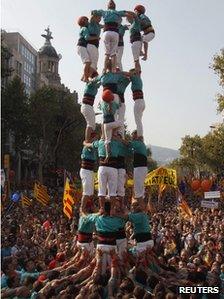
x: 108, y: 109
x: 140, y: 222
x: 84, y: 33
x: 136, y: 83
x: 135, y: 27
x: 122, y: 29
x: 122, y: 84
x: 138, y: 147
x: 100, y: 146
x: 110, y: 78
x: 94, y: 28
x: 85, y: 224
x: 91, y: 88
x: 123, y: 149
x: 144, y: 21
x: 88, y: 153
x: 106, y: 224
x: 110, y: 15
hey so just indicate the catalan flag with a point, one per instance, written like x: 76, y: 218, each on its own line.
x: 40, y: 194
x: 185, y: 210
x: 26, y: 201
x: 68, y: 198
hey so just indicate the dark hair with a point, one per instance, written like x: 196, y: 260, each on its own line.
x: 141, y: 276
x: 5, y: 263
x: 53, y: 275
x: 107, y: 207
x: 127, y: 285
x: 11, y: 281
x: 147, y: 296
x: 138, y: 292
x: 101, y: 280
x: 152, y: 281
x: 98, y: 289
x: 94, y: 296
x: 29, y: 280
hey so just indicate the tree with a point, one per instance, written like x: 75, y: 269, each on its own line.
x: 58, y: 128
x: 218, y: 67
x: 213, y: 145
x: 15, y: 114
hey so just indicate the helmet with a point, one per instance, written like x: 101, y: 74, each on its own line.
x: 108, y: 95
x: 82, y: 21
x: 140, y: 9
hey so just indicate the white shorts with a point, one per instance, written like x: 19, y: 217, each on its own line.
x: 83, y: 53
x: 87, y: 177
x: 89, y: 114
x: 142, y: 246
x: 120, y: 51
x: 148, y: 37
x: 108, y: 130
x: 122, y: 245
x: 136, y: 50
x: 111, y: 40
x: 139, y: 180
x: 93, y: 55
x: 121, y: 182
x: 107, y: 177
x: 88, y: 246
x: 106, y: 248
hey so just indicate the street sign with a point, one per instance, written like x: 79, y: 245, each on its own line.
x: 212, y: 194
x: 209, y: 204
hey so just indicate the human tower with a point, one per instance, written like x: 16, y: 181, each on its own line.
x: 111, y: 149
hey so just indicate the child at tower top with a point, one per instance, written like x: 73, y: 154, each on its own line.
x: 111, y: 32
x: 84, y: 38
x: 146, y: 27
x: 109, y: 107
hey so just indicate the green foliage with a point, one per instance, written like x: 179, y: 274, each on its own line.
x: 15, y: 113
x: 218, y: 67
x: 59, y: 125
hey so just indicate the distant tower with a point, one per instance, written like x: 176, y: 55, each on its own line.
x: 47, y: 63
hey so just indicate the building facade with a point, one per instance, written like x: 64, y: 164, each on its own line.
x: 23, y: 61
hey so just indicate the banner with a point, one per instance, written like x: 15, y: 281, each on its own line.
x: 161, y: 176
x: 68, y: 198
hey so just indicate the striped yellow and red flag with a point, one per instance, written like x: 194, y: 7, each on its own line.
x: 40, y: 194
x: 26, y: 201
x: 185, y: 210
x: 68, y: 198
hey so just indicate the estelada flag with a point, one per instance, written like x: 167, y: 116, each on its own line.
x: 40, y: 194
x: 68, y: 198
x: 185, y: 210
x: 26, y: 201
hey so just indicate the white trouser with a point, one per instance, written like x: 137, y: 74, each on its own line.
x: 106, y: 258
x: 88, y: 246
x: 122, y: 245
x: 139, y: 179
x: 121, y: 115
x: 139, y: 107
x: 108, y: 129
x: 142, y: 246
x: 93, y: 55
x: 136, y: 49
x: 111, y: 40
x: 89, y: 114
x: 148, y: 37
x: 87, y: 177
x: 107, y: 177
x: 120, y: 51
x: 83, y: 53
x: 121, y: 182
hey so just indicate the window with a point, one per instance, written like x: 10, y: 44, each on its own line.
x: 18, y: 68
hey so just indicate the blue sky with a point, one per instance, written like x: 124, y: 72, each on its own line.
x: 179, y: 86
